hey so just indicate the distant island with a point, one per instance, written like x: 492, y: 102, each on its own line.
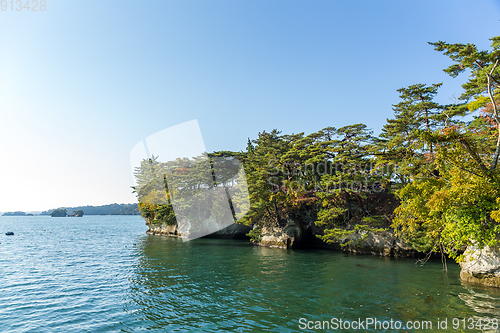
x: 78, y: 213
x: 16, y: 214
x: 111, y: 209
x: 63, y: 212
x: 59, y: 213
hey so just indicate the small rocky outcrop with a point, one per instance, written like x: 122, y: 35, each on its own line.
x: 481, y: 265
x: 162, y: 229
x: 376, y: 243
x: 281, y: 237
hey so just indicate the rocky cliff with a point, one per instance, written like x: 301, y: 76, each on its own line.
x: 293, y: 235
x: 234, y: 231
x: 376, y: 243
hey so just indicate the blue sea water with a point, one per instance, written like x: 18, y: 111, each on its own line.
x: 105, y: 274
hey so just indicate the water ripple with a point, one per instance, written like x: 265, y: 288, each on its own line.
x: 104, y: 274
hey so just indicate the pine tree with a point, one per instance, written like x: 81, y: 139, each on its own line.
x: 401, y: 141
x: 483, y: 85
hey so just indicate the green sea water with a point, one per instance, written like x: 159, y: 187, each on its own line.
x: 105, y: 274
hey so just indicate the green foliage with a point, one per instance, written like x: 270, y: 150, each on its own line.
x: 267, y: 170
x: 59, y: 213
x: 449, y: 213
x: 255, y: 234
x: 375, y: 221
x: 341, y: 235
x: 451, y: 200
x: 442, y: 168
x: 343, y: 193
x: 401, y: 143
x: 483, y: 85
x: 199, y: 187
x: 336, y: 235
x: 78, y: 213
x: 152, y: 193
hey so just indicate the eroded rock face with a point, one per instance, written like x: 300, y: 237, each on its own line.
x: 162, y: 229
x: 234, y: 231
x: 284, y: 238
x: 293, y: 235
x: 365, y: 242
x: 380, y: 243
x: 481, y: 265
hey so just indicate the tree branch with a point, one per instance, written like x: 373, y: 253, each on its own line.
x: 474, y: 156
x: 495, y: 113
x: 463, y: 169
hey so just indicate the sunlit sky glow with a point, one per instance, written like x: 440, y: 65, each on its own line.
x: 84, y: 81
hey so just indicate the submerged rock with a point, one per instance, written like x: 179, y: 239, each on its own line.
x: 481, y: 265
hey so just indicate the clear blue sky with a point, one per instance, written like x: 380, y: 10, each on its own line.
x: 82, y: 82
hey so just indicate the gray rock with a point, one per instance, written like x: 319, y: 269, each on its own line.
x: 162, y: 229
x: 380, y: 243
x: 481, y: 265
x: 234, y: 231
x: 281, y: 237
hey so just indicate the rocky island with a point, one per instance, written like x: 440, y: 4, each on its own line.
x: 429, y: 184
